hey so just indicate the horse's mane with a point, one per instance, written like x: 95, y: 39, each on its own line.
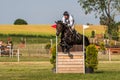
x: 61, y: 22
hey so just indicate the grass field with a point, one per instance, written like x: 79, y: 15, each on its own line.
x: 42, y: 71
x: 24, y: 59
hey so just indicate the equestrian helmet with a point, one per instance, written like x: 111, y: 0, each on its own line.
x: 66, y: 13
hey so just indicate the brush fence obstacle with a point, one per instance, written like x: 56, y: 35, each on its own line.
x: 70, y: 64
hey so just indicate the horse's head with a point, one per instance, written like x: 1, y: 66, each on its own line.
x: 59, y: 28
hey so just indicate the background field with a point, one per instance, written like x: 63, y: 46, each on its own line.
x: 41, y: 30
x: 34, y: 63
x: 38, y: 33
x: 27, y: 30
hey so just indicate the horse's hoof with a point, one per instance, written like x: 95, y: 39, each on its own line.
x: 70, y: 55
x: 65, y: 52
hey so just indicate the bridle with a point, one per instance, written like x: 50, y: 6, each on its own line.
x: 62, y: 25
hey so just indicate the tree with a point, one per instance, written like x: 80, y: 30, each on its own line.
x: 107, y: 10
x: 93, y: 34
x: 20, y: 22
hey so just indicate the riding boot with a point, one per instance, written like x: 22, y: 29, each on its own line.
x: 75, y: 32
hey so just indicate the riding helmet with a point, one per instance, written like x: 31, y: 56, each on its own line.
x: 66, y: 13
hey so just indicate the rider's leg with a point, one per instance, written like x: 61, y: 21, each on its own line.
x: 73, y: 27
x: 73, y: 30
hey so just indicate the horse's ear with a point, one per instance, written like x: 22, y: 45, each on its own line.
x: 60, y: 21
x: 56, y: 22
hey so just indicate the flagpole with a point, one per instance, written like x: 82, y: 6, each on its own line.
x: 83, y: 50
x: 54, y: 26
x: 84, y: 27
x: 56, y: 52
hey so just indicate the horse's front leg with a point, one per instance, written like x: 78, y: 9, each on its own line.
x: 68, y: 51
x: 63, y: 49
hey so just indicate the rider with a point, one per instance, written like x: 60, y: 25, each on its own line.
x: 68, y: 20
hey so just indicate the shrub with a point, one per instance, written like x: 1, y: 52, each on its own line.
x: 93, y: 34
x: 112, y: 43
x: 53, y: 57
x: 105, y: 36
x: 102, y: 46
x: 20, y: 22
x: 91, y: 60
x: 48, y: 45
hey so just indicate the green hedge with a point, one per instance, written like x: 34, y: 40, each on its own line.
x: 53, y: 56
x: 91, y: 57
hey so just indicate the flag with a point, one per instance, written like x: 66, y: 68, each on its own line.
x: 54, y: 26
x: 85, y: 26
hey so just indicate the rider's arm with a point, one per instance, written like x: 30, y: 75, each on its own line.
x: 63, y: 19
x: 71, y: 21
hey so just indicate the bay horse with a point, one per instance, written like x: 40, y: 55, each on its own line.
x: 68, y: 37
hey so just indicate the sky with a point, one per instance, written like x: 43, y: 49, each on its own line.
x: 42, y: 11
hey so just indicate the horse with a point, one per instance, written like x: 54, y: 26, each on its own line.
x: 68, y: 37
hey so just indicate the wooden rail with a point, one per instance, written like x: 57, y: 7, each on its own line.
x: 115, y: 50
x: 67, y: 64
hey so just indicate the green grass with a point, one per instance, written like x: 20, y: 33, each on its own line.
x: 24, y: 59
x: 42, y: 71
x: 106, y: 57
x: 29, y: 40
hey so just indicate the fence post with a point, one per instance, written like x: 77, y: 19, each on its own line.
x: 12, y: 52
x: 109, y: 53
x: 0, y: 52
x: 56, y: 52
x: 18, y: 55
x: 115, y: 43
x: 25, y: 42
x: 51, y: 41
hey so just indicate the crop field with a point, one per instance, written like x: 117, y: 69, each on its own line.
x: 30, y: 30
x: 42, y: 30
x: 39, y: 33
x: 99, y: 29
